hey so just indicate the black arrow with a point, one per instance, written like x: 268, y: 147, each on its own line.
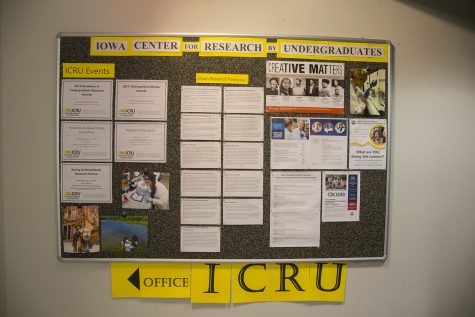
x: 135, y: 279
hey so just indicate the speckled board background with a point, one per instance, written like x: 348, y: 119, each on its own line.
x: 363, y: 239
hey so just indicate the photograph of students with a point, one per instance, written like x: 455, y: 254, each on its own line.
x: 289, y: 129
x: 336, y: 90
x: 273, y: 88
x: 285, y: 88
x: 295, y: 130
x: 325, y: 91
x: 358, y: 97
x: 299, y: 89
x: 146, y: 191
x: 312, y: 88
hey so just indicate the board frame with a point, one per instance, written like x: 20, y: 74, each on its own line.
x: 389, y: 100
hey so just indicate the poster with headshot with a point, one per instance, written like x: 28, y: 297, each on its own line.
x: 308, y: 143
x: 307, y: 87
x: 368, y: 139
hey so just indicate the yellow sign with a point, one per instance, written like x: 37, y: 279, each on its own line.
x: 271, y: 47
x: 329, y: 50
x: 211, y: 283
x: 223, y: 79
x: 88, y: 70
x: 233, y: 46
x: 125, y: 278
x: 290, y: 282
x: 214, y: 282
x: 250, y: 283
x: 136, y: 46
x: 191, y: 47
x: 328, y: 281
x: 162, y: 280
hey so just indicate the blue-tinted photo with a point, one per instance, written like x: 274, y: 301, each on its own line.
x: 124, y: 234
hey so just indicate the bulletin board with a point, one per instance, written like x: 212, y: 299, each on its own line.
x: 223, y: 148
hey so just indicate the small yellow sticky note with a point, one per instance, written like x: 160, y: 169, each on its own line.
x: 251, y: 283
x: 88, y: 70
x: 124, y: 280
x: 165, y: 280
x: 223, y: 79
x: 290, y: 282
x: 328, y: 281
x: 211, y: 283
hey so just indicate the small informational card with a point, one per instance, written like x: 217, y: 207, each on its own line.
x: 200, y: 183
x: 341, y: 196
x: 86, y: 141
x: 200, y: 211
x: 243, y: 211
x: 306, y: 87
x: 243, y: 100
x: 368, y: 139
x: 141, y: 100
x: 86, y: 183
x: 295, y: 209
x: 201, y: 98
x: 243, y: 155
x: 243, y: 127
x: 200, y: 154
x: 243, y: 183
x: 200, y: 239
x: 141, y: 142
x: 309, y: 143
x: 86, y: 99
x: 200, y: 126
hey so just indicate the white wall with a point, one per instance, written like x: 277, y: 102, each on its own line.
x: 432, y: 242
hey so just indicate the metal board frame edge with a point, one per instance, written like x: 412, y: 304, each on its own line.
x: 59, y: 35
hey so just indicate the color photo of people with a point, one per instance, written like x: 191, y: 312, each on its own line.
x: 298, y: 86
x: 80, y: 229
x: 124, y: 234
x: 335, y: 182
x: 367, y: 91
x: 290, y: 128
x: 378, y: 135
x: 145, y: 190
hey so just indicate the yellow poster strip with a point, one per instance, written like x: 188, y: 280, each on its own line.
x: 251, y: 283
x: 272, y: 47
x: 163, y: 280
x: 330, y: 50
x: 214, y: 283
x: 124, y: 277
x: 136, y: 46
x: 88, y: 70
x: 211, y: 283
x: 233, y: 46
x: 290, y: 282
x: 328, y: 281
x: 224, y: 79
x: 191, y: 47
